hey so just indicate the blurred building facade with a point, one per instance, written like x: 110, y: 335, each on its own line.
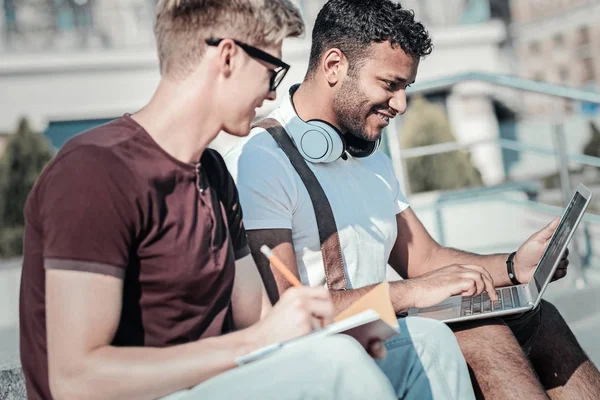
x: 72, y: 64
x: 557, y: 41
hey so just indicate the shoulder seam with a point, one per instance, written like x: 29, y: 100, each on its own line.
x: 88, y: 146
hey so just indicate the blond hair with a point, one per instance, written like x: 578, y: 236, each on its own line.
x: 183, y: 25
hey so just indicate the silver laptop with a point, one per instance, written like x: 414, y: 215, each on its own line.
x: 519, y: 298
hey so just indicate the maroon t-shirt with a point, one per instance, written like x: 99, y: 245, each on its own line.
x: 113, y: 202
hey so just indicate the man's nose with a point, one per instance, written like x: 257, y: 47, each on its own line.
x: 398, y: 102
x: 272, y: 95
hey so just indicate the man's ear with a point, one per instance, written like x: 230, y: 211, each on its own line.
x: 226, y: 57
x: 335, y: 66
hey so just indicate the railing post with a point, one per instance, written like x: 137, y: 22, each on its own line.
x: 3, y: 31
x: 562, y: 162
x: 393, y: 141
x: 439, y: 222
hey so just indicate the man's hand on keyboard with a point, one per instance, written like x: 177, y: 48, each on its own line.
x: 530, y: 252
x: 465, y: 280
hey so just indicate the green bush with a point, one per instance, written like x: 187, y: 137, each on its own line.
x: 11, y: 242
x: 24, y: 158
x: 426, y: 124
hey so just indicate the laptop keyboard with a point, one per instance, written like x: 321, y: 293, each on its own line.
x: 508, y: 298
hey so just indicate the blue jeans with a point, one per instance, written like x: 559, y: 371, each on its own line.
x: 425, y: 362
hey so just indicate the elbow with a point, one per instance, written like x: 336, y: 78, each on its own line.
x: 68, y: 386
x: 435, y: 251
x: 61, y: 389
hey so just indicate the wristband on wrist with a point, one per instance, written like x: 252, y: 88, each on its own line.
x: 510, y: 268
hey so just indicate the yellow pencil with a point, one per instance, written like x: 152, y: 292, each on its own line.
x: 280, y: 266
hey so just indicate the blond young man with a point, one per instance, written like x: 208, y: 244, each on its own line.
x: 136, y: 265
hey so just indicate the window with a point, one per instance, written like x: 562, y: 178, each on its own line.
x: 59, y: 132
x: 583, y: 35
x: 563, y: 74
x: 500, y: 9
x: 559, y: 40
x: 535, y: 47
x: 568, y: 106
x: 587, y: 71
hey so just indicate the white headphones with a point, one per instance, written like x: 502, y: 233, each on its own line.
x: 320, y: 142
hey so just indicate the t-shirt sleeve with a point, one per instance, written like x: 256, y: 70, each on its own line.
x: 266, y: 189
x: 87, y: 213
x: 229, y: 197
x: 400, y: 201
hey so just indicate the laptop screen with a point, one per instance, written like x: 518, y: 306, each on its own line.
x: 566, y: 225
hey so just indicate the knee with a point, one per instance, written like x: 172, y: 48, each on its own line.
x: 341, y: 359
x: 430, y: 329
x: 474, y: 339
x: 551, y: 323
x: 341, y: 350
x: 484, y: 328
x: 549, y: 310
x: 433, y: 334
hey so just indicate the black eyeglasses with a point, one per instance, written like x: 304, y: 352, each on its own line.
x: 277, y: 74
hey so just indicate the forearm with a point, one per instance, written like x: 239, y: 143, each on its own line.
x: 400, y: 293
x: 342, y: 299
x: 495, y: 264
x: 249, y: 299
x: 146, y: 372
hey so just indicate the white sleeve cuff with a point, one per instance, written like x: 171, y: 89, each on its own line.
x: 401, y: 206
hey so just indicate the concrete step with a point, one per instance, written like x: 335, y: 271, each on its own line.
x: 12, y: 384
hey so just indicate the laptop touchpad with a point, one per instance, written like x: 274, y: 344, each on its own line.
x: 448, y: 309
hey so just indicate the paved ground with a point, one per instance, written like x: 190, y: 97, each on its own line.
x: 9, y: 347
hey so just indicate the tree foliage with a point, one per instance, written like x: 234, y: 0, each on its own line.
x: 24, y: 157
x: 426, y: 124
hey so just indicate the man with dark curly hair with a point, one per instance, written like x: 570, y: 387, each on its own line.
x: 364, y: 55
x: 352, y: 84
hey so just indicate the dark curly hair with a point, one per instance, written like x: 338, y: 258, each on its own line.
x: 353, y: 25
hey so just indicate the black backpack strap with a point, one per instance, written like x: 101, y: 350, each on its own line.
x: 331, y: 251
x: 212, y: 159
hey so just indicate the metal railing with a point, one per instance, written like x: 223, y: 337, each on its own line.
x: 558, y: 151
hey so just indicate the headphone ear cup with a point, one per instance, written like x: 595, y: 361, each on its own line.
x: 360, y: 148
x: 320, y: 142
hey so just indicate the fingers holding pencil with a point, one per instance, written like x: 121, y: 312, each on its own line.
x: 320, y: 299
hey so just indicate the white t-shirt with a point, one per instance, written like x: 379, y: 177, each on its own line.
x: 364, y: 194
